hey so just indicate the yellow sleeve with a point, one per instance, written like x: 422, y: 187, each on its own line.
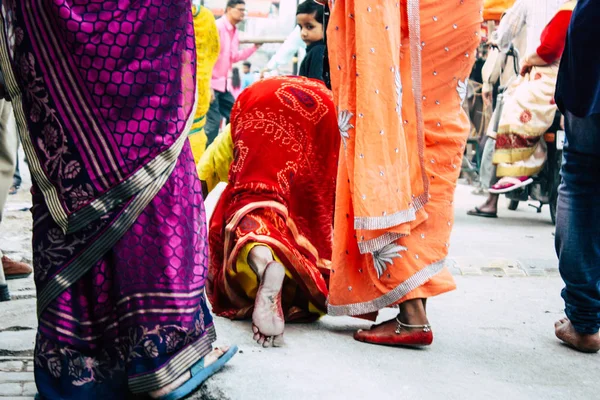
x: 207, y: 52
x: 216, y: 160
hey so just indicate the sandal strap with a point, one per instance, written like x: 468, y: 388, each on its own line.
x: 508, y: 180
x: 400, y: 325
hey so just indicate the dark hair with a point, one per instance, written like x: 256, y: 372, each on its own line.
x: 233, y: 3
x: 236, y: 81
x: 311, y: 8
x: 247, y: 64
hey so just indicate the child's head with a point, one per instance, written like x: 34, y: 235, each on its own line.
x: 309, y: 17
x: 247, y: 67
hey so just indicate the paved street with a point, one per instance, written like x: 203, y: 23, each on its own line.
x: 494, y: 335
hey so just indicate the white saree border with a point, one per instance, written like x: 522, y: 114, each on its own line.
x: 391, y: 297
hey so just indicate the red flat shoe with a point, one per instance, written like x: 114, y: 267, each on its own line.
x: 404, y: 335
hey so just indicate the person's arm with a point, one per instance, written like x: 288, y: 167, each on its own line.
x: 511, y: 25
x: 552, y: 42
x: 287, y: 50
x: 243, y: 54
x: 554, y: 37
x: 490, y: 74
x: 214, y: 164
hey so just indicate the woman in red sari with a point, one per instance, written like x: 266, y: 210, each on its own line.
x: 271, y: 232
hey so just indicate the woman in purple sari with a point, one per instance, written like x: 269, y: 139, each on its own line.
x: 104, y: 95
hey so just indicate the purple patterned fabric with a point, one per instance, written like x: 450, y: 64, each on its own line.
x: 104, y: 94
x: 108, y: 86
x: 138, y: 307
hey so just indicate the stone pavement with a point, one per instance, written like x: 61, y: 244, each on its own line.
x: 16, y: 378
x: 494, y: 334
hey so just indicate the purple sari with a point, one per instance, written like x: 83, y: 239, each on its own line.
x: 104, y: 95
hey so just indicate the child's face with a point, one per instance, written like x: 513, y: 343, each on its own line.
x: 246, y: 69
x: 311, y: 29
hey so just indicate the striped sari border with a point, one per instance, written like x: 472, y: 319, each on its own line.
x: 391, y: 297
x: 176, y: 366
x: 117, y: 195
x: 90, y: 139
x: 379, y: 223
x: 84, y: 262
x: 134, y: 184
x: 14, y: 91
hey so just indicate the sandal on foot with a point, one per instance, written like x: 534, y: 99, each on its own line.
x: 200, y: 373
x: 401, y: 336
x: 509, y: 183
x: 476, y: 212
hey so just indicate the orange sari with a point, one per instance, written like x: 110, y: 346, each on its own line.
x: 280, y: 195
x: 398, y: 86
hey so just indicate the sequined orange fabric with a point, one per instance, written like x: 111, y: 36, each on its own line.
x: 396, y: 182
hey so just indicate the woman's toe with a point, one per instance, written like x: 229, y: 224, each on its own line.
x: 268, y: 342
x: 278, y: 341
x: 261, y: 340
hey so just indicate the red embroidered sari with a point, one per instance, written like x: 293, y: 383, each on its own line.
x: 280, y: 194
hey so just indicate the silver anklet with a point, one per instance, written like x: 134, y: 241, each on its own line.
x: 400, y: 325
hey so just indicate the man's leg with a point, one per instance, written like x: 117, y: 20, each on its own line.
x: 17, y: 175
x: 226, y: 101
x: 213, y: 119
x: 487, y: 171
x: 488, y: 177
x: 8, y: 147
x: 578, y: 233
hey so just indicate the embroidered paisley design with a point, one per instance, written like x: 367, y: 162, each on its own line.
x: 384, y: 257
x: 344, y: 125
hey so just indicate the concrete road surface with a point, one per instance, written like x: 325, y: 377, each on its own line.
x: 493, y: 336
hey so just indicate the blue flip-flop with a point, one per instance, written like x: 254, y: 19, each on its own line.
x: 200, y: 373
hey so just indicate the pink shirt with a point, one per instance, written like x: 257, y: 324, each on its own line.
x: 230, y: 54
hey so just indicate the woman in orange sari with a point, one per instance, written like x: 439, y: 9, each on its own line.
x: 401, y: 155
x: 270, y: 234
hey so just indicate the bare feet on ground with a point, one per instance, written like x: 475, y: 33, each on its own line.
x: 267, y: 319
x: 186, y: 376
x: 268, y: 322
x: 566, y: 332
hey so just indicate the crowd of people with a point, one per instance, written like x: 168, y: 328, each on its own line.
x: 338, y: 199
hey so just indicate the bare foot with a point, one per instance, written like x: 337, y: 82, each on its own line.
x: 267, y: 319
x: 186, y: 376
x: 412, y: 312
x: 566, y: 332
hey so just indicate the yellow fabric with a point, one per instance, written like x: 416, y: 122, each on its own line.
x: 214, y: 164
x: 527, y: 113
x: 198, y: 144
x: 207, y: 52
x: 493, y: 9
x: 248, y: 281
